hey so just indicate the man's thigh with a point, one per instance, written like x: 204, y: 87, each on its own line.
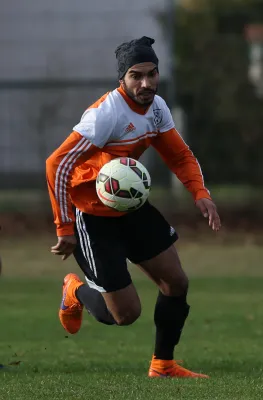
x: 166, y: 271
x: 101, y: 254
x: 151, y: 246
x: 148, y: 234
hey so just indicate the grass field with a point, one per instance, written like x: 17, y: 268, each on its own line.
x: 222, y: 336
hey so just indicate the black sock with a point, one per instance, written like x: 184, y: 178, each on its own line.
x: 169, y: 317
x: 95, y: 304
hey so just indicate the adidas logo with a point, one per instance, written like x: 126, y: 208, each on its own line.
x: 130, y: 128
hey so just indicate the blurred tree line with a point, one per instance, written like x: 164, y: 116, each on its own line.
x: 224, y: 113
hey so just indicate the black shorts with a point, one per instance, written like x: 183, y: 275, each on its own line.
x: 105, y: 244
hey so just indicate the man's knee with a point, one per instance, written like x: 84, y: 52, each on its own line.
x: 128, y: 316
x: 176, y: 287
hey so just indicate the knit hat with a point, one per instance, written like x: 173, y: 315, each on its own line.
x: 135, y: 52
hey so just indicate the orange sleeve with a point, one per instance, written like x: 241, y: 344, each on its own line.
x: 179, y: 158
x: 59, y: 167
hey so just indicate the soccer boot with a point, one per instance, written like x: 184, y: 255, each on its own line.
x: 170, y: 369
x: 70, y: 312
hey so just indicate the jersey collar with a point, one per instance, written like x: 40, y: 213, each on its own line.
x: 134, y: 106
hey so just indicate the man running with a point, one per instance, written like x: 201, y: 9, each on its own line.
x: 124, y: 123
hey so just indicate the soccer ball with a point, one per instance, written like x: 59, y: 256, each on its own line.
x: 123, y: 184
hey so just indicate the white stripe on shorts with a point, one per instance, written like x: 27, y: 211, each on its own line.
x: 87, y: 242
x: 93, y: 285
x: 82, y: 238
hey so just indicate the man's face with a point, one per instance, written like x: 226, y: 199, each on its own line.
x: 141, y: 82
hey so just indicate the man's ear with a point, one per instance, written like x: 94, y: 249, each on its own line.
x: 121, y: 81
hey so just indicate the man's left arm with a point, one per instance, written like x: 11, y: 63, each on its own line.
x: 181, y: 161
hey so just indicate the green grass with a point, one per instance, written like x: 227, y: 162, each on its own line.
x: 222, y: 336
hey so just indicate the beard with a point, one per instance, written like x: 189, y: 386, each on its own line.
x: 136, y: 98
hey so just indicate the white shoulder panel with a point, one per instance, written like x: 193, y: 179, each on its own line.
x: 97, y: 124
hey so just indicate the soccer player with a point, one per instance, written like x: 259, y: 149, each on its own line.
x: 124, y: 123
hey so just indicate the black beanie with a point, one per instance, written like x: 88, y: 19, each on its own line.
x: 135, y: 52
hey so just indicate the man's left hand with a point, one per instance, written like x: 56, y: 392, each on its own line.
x: 208, y: 209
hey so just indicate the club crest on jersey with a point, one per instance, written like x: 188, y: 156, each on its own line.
x: 158, y: 116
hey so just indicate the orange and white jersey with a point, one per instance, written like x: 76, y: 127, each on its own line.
x: 114, y: 123
x: 114, y: 127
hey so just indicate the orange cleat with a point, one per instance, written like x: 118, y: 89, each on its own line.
x: 70, y: 312
x: 170, y: 369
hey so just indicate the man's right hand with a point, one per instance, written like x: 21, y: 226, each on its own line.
x: 65, y: 246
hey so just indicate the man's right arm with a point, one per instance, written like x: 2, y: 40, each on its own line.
x: 75, y: 150
x: 88, y: 136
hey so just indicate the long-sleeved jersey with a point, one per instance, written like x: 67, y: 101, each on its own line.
x: 114, y: 126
